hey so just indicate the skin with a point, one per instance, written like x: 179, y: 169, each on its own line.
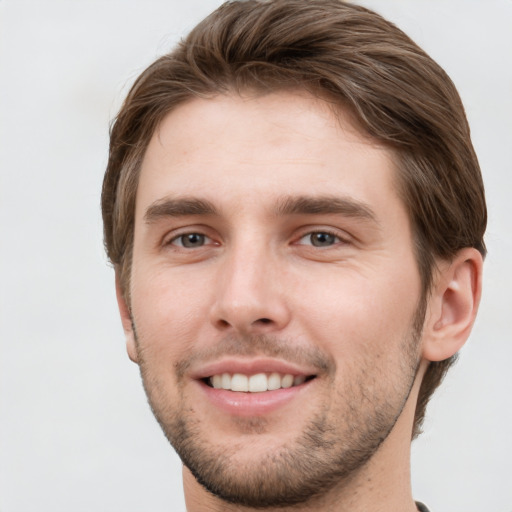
x: 256, y: 287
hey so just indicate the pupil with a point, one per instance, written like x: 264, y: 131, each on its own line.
x: 322, y: 239
x: 193, y: 240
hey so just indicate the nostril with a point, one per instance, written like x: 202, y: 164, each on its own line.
x: 264, y: 320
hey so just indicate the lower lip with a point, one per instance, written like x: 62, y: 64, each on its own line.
x: 252, y: 404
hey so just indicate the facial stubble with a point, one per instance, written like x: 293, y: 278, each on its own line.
x: 332, y: 447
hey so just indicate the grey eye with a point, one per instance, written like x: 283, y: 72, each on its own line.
x: 320, y: 239
x: 190, y: 240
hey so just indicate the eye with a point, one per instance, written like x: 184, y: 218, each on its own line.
x: 190, y: 240
x: 320, y: 239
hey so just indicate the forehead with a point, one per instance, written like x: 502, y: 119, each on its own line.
x: 241, y: 150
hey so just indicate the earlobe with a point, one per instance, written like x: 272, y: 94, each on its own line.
x: 453, y: 305
x: 126, y: 320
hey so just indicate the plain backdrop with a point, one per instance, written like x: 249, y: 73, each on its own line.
x: 76, y: 433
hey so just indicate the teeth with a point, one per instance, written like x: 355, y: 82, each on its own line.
x: 225, y: 381
x: 274, y: 381
x: 217, y: 381
x: 299, y: 380
x: 239, y: 382
x: 287, y: 381
x: 257, y: 383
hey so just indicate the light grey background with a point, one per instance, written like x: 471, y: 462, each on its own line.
x: 75, y: 431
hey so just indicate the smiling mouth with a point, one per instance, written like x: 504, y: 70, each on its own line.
x: 257, y: 383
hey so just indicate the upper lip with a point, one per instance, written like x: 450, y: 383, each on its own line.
x: 251, y: 367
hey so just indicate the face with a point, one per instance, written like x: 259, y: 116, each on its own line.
x: 274, y: 294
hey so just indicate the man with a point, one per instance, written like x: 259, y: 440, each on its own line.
x: 295, y: 214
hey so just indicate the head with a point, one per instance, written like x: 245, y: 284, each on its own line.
x: 361, y: 68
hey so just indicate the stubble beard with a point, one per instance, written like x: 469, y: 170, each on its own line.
x: 331, y: 449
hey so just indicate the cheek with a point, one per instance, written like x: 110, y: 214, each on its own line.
x: 355, y: 313
x: 168, y: 311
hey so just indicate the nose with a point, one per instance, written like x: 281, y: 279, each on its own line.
x: 250, y: 297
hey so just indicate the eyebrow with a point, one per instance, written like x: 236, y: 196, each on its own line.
x: 318, y: 205
x: 288, y: 205
x: 178, y: 207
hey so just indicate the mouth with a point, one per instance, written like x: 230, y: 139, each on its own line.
x: 255, y: 383
x: 254, y: 387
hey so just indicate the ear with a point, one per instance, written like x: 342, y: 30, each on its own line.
x: 126, y: 320
x: 453, y: 305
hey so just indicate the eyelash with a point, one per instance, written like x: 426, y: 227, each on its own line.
x: 182, y: 236
x: 188, y: 234
x: 337, y: 238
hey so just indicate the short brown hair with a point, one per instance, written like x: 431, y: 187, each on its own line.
x: 341, y: 52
